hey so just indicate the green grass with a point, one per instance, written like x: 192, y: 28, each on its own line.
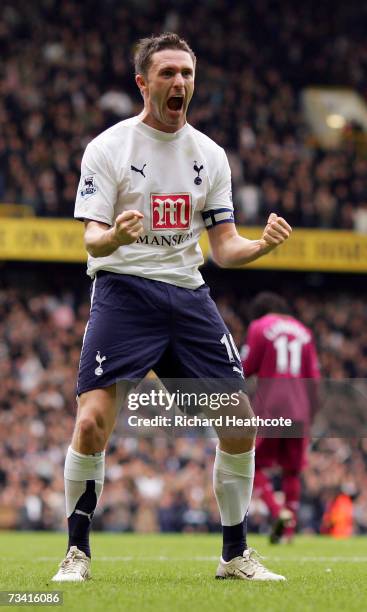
x: 175, y: 573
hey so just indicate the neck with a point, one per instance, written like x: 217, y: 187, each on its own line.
x: 148, y: 119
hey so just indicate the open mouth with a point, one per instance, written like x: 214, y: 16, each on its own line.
x: 175, y: 103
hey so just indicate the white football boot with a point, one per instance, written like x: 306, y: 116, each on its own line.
x: 247, y: 567
x: 74, y: 568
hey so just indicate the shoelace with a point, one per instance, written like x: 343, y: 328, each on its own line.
x: 252, y: 552
x: 253, y: 558
x: 71, y: 558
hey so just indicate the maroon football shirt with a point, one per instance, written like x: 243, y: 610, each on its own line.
x: 281, y: 352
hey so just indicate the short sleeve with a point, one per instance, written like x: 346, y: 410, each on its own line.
x: 97, y: 190
x: 219, y: 206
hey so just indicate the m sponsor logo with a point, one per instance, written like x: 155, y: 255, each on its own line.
x: 170, y: 211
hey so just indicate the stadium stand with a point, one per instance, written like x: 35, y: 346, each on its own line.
x: 66, y: 76
x: 151, y: 484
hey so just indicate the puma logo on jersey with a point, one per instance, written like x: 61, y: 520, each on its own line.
x: 141, y: 171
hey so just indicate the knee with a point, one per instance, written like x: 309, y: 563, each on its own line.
x: 87, y: 427
x: 90, y: 432
x: 237, y: 439
x: 239, y: 433
x: 236, y: 445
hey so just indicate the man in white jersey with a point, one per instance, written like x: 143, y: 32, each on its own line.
x: 149, y: 186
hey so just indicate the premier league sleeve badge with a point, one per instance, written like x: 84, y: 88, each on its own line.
x: 88, y: 186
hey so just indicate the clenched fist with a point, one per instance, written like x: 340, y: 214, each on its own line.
x: 276, y: 231
x: 128, y: 227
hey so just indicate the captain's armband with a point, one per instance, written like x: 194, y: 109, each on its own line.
x: 217, y: 216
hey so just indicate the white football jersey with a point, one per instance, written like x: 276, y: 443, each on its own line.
x: 180, y: 181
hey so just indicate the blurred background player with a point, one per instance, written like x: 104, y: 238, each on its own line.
x: 337, y: 520
x: 281, y: 352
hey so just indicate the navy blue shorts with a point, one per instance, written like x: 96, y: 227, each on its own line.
x: 137, y: 325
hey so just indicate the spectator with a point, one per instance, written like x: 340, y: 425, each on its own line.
x: 165, y: 481
x: 57, y: 97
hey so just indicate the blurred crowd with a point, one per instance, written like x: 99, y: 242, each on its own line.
x: 156, y: 484
x: 66, y: 75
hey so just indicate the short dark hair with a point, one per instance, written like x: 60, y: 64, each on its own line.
x: 266, y: 302
x: 147, y: 46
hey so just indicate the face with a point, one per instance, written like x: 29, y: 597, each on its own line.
x: 167, y: 89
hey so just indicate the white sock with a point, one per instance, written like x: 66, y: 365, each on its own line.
x: 78, y: 469
x: 233, y: 478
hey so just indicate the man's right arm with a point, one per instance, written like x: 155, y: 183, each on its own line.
x: 101, y: 240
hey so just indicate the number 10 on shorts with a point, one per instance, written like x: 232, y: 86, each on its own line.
x: 232, y: 351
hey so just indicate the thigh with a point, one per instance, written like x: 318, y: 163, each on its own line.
x: 293, y: 455
x: 268, y: 452
x: 126, y: 333
x: 287, y: 453
x: 201, y: 341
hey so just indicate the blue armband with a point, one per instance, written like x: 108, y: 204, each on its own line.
x: 217, y: 216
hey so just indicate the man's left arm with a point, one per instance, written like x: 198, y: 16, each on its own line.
x: 230, y: 249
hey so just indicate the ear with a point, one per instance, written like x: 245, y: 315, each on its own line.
x: 141, y: 83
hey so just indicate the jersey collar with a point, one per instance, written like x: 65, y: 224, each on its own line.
x: 158, y: 135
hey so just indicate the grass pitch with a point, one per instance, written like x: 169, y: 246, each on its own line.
x: 176, y: 573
